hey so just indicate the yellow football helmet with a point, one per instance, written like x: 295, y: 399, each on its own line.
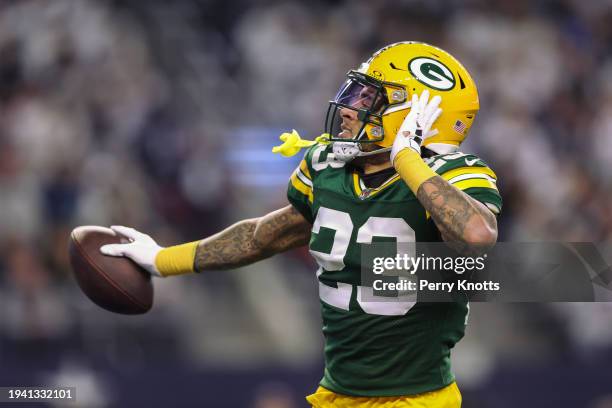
x: 381, y: 89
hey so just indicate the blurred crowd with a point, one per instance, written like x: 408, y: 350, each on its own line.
x: 161, y: 115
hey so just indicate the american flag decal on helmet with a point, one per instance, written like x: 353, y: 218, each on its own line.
x: 459, y: 127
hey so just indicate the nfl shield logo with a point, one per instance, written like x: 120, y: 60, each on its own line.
x: 365, y: 194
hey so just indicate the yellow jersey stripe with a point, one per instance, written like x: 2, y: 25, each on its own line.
x: 301, y: 187
x: 303, y: 178
x: 468, y: 170
x: 385, y: 185
x: 304, y: 168
x: 465, y: 184
x: 374, y: 191
x: 357, y: 184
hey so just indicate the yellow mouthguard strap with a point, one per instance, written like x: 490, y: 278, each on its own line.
x: 292, y: 143
x: 176, y: 260
x: 412, y: 169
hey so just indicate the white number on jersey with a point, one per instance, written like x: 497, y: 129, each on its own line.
x: 340, y: 222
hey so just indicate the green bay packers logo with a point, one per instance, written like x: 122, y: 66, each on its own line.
x: 432, y: 73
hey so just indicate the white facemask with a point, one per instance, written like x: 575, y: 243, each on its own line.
x: 347, y: 151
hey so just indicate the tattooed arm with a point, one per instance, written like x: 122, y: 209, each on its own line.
x: 465, y: 223
x: 241, y: 244
x: 252, y: 240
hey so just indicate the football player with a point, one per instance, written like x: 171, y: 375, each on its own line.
x: 388, y: 166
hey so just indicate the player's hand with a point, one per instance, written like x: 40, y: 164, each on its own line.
x: 417, y: 125
x: 140, y: 248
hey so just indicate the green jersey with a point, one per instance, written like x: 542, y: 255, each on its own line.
x: 379, y: 348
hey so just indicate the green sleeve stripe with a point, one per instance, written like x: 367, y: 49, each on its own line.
x: 483, y: 191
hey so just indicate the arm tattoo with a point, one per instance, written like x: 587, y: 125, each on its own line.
x: 252, y: 240
x: 455, y: 213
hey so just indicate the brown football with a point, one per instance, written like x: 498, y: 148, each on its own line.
x: 115, y: 284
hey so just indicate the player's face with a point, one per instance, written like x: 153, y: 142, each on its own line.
x: 367, y: 98
x: 357, y: 101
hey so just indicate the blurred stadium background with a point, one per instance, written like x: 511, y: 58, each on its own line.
x: 161, y: 115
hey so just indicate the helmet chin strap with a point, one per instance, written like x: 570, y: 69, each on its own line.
x: 372, y: 153
x: 347, y: 151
